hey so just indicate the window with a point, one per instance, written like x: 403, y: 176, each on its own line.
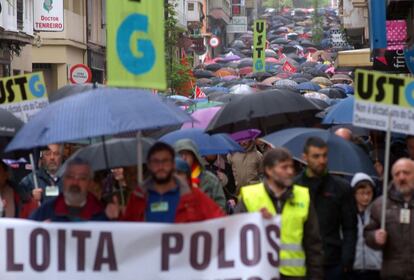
x: 20, y: 14
x: 190, y: 7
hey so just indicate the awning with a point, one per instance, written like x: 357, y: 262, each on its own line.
x: 354, y: 58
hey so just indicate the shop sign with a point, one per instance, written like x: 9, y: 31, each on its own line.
x: 48, y: 15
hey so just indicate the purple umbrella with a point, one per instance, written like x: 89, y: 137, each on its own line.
x: 229, y: 58
x: 248, y: 134
x: 202, y: 118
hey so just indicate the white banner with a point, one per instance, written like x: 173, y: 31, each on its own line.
x: 48, y: 15
x: 240, y: 247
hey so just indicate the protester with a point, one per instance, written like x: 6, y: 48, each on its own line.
x: 201, y: 178
x: 50, y: 184
x: 183, y: 170
x: 74, y: 203
x: 222, y: 169
x: 10, y: 202
x: 333, y: 202
x: 301, y: 244
x: 410, y: 146
x: 344, y: 133
x: 396, y: 240
x: 367, y: 262
x: 164, y: 197
x: 246, y: 165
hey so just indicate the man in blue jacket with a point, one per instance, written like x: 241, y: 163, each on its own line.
x: 74, y: 203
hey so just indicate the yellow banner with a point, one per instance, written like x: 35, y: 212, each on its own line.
x: 135, y: 50
x: 386, y: 89
x: 259, y: 46
x: 22, y: 88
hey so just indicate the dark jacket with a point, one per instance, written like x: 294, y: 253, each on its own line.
x: 56, y: 210
x: 26, y: 185
x: 193, y: 206
x: 332, y: 199
x: 398, y: 251
x: 312, y: 242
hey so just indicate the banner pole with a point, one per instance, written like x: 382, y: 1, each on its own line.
x: 386, y: 172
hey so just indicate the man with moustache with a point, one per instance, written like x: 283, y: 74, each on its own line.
x: 164, y: 198
x: 74, y: 203
x: 396, y: 240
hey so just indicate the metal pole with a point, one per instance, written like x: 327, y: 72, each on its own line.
x: 386, y: 171
x: 139, y: 158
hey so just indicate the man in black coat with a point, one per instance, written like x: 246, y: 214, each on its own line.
x: 331, y: 196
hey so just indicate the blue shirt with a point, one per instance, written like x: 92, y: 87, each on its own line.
x: 161, y: 208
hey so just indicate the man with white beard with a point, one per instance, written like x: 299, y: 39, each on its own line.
x: 75, y: 203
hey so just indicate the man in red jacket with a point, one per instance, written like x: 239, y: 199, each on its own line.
x: 164, y: 197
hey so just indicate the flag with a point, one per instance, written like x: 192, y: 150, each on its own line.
x: 199, y: 93
x: 287, y: 67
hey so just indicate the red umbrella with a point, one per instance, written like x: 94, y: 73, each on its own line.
x: 245, y: 71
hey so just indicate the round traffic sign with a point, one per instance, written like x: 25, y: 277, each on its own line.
x: 214, y: 42
x: 80, y: 74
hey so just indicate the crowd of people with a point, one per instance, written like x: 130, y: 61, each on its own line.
x: 331, y: 227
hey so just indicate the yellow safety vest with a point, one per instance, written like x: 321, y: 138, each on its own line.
x: 294, y: 215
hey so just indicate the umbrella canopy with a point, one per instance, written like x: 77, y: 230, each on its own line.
x: 70, y: 90
x: 202, y: 117
x: 322, y: 81
x: 216, y: 144
x: 270, y: 81
x: 9, y: 124
x: 352, y: 158
x: 120, y: 153
x: 203, y: 74
x: 340, y: 78
x: 348, y: 89
x: 341, y: 113
x: 225, y: 72
x: 286, y: 83
x: 245, y: 70
x: 248, y: 134
x: 99, y: 112
x: 308, y: 86
x: 333, y: 93
x: 238, y: 44
x: 266, y: 111
x: 241, y: 89
x: 260, y: 76
x: 204, y: 82
x: 320, y: 103
x: 270, y: 53
x: 245, y: 62
x: 299, y: 80
x: 316, y: 95
x: 213, y: 67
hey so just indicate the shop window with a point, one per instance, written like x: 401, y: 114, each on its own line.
x: 190, y: 7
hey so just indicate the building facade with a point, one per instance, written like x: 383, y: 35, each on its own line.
x: 16, y: 37
x: 55, y: 52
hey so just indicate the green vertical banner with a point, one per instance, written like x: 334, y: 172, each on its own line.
x: 259, y: 46
x: 135, y: 44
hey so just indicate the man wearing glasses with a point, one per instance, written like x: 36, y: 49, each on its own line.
x: 74, y: 203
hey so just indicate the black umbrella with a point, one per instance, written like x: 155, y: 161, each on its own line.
x: 238, y: 44
x: 280, y: 41
x: 213, y: 67
x: 300, y: 80
x: 120, y: 153
x: 70, y: 90
x: 228, y: 98
x: 9, y: 124
x: 333, y: 93
x: 245, y: 62
x: 259, y: 76
x: 267, y: 111
x: 302, y: 75
x: 203, y: 74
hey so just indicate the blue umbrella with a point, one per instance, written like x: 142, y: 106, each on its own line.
x: 344, y: 157
x: 308, y: 86
x: 341, y: 113
x: 346, y: 88
x: 215, y: 144
x: 99, y: 112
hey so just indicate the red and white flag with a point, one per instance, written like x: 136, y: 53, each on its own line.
x: 287, y: 67
x: 198, y: 93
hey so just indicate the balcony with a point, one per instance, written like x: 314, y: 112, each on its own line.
x: 220, y: 9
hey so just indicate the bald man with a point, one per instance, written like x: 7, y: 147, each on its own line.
x: 396, y: 241
x: 344, y: 133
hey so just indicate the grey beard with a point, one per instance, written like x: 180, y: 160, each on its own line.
x: 75, y: 199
